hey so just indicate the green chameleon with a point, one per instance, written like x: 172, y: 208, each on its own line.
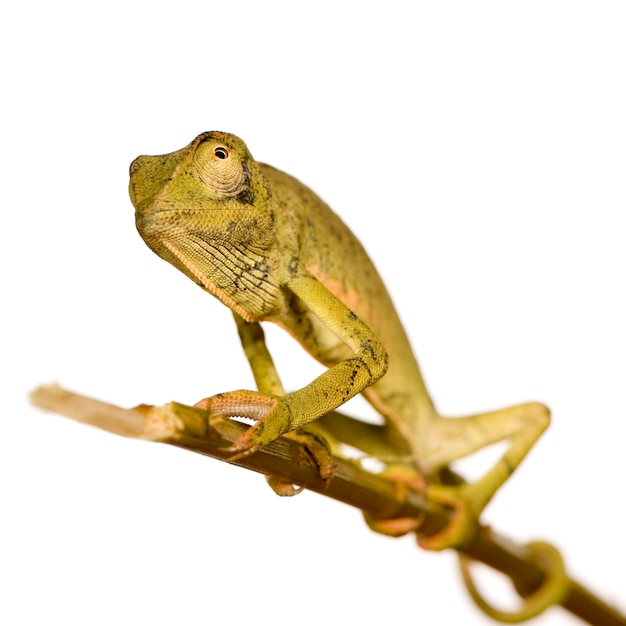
x: 271, y: 250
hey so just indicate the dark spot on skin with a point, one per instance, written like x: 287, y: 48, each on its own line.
x: 261, y: 265
x: 358, y: 364
x: 367, y: 346
x: 245, y: 197
x: 352, y: 315
x: 293, y: 265
x: 317, y: 438
x: 362, y: 364
x: 237, y: 286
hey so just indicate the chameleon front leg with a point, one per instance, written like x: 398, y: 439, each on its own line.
x: 322, y: 437
x: 452, y: 439
x: 337, y: 428
x: 277, y: 414
x: 268, y: 381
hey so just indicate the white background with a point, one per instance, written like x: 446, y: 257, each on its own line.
x: 478, y: 151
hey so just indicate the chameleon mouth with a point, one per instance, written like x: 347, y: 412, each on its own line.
x: 155, y: 215
x: 147, y: 173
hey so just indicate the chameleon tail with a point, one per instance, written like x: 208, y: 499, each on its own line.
x: 553, y: 589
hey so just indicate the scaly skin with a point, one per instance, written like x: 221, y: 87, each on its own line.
x: 271, y: 250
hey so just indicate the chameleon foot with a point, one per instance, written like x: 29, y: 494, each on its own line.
x: 273, y: 419
x: 464, y: 521
x: 316, y: 448
x: 399, y: 526
x: 283, y: 488
x: 270, y: 413
x: 553, y: 589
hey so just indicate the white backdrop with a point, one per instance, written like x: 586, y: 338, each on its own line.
x: 477, y: 149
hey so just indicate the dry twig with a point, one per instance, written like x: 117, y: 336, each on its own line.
x: 286, y: 459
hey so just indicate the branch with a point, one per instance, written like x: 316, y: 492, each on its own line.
x: 286, y: 459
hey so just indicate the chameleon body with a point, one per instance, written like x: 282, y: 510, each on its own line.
x: 271, y: 250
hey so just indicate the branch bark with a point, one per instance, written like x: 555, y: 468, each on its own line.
x: 288, y: 460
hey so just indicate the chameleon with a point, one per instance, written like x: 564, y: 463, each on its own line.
x: 271, y: 250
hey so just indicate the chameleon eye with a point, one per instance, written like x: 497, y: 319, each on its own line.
x: 218, y: 168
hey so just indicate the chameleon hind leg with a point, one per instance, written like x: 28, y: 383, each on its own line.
x: 453, y: 438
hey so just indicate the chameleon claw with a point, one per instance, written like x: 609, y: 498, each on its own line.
x: 463, y: 524
x: 397, y: 527
x: 283, y: 488
x: 316, y: 449
x: 553, y: 589
x: 264, y: 408
x: 242, y: 446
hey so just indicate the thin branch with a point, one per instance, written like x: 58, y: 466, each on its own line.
x: 288, y: 460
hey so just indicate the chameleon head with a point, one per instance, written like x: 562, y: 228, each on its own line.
x: 215, y: 171
x: 206, y: 209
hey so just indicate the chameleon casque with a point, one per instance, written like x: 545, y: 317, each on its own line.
x: 271, y: 250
